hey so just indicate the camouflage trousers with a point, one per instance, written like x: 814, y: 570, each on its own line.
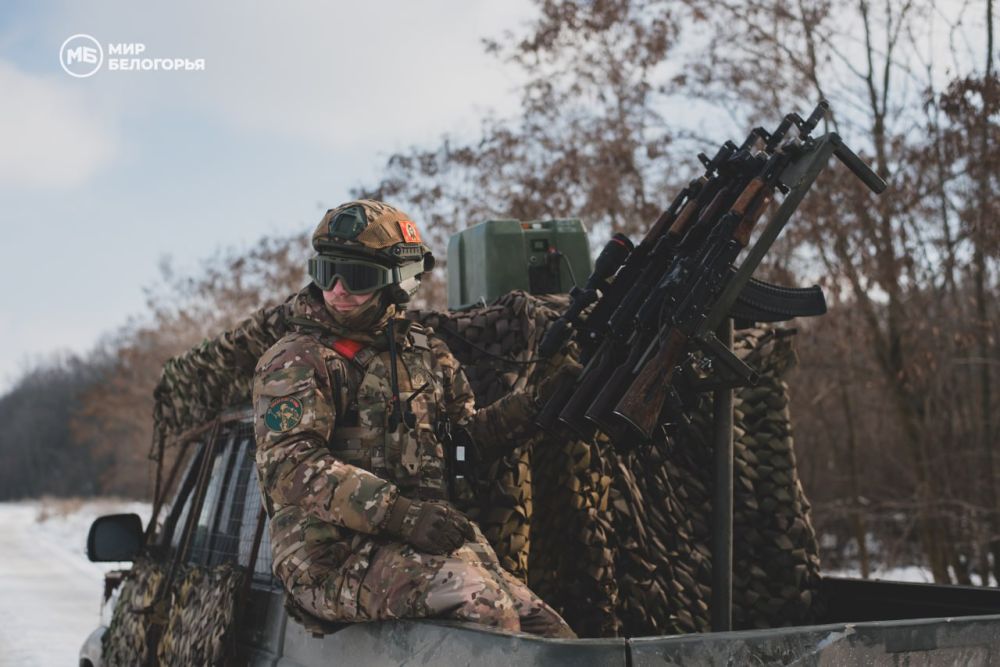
x: 469, y: 584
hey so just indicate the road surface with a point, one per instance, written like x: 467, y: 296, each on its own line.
x: 49, y: 593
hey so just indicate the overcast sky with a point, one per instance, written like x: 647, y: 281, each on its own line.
x: 299, y: 101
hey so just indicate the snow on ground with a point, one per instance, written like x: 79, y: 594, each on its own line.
x: 909, y: 573
x: 50, y: 594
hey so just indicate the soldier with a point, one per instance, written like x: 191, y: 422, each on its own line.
x: 352, y: 472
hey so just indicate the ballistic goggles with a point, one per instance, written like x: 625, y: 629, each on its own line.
x: 358, y: 276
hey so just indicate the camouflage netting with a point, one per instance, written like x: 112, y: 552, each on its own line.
x: 619, y: 543
x: 200, y: 624
x: 131, y: 637
x: 194, y: 629
x: 195, y: 387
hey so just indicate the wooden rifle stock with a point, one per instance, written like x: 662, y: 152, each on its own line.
x: 668, y: 221
x: 640, y: 406
x: 747, y: 197
x: 680, y: 224
x: 601, y: 410
x: 749, y: 221
x: 656, y: 230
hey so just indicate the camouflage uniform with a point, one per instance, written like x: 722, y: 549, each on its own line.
x: 331, y: 471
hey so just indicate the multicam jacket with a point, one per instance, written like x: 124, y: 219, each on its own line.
x: 328, y: 466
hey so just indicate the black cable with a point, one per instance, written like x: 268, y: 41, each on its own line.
x: 569, y: 266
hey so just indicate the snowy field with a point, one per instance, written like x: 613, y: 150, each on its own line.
x: 50, y: 593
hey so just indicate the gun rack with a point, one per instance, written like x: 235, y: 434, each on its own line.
x: 715, y: 339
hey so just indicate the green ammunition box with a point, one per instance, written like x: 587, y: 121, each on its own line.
x: 494, y: 257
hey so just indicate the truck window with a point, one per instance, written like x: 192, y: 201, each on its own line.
x: 178, y: 504
x: 225, y: 536
x: 227, y: 522
x: 218, y: 479
x: 262, y: 575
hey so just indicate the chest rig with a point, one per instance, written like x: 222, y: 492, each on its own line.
x: 366, y: 434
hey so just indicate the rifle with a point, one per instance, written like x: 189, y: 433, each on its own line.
x: 672, y: 286
x: 605, y: 336
x: 701, y: 297
x: 612, y: 313
x: 636, y: 323
x: 687, y: 284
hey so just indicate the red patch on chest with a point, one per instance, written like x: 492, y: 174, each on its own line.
x: 347, y: 347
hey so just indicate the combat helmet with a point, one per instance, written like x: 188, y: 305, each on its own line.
x: 369, y: 245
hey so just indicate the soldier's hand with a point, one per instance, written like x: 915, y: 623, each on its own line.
x: 432, y: 527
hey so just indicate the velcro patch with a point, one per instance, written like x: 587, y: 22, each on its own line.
x: 283, y: 414
x: 409, y: 231
x: 347, y: 347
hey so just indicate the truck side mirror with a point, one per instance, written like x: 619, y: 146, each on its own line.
x: 115, y: 537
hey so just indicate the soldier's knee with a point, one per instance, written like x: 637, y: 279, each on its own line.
x: 496, y: 611
x: 482, y: 599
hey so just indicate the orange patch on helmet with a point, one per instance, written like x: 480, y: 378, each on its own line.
x: 409, y: 231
